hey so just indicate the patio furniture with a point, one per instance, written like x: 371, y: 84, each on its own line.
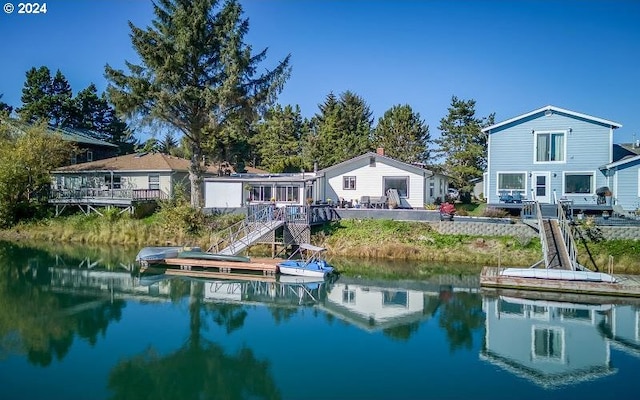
x: 618, y: 211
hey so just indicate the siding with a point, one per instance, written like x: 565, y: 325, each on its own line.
x: 627, y: 181
x: 512, y: 149
x: 369, y: 182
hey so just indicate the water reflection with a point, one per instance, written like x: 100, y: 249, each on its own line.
x: 558, y: 340
x: 165, y: 336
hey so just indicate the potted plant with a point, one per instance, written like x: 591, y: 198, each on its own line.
x: 447, y: 211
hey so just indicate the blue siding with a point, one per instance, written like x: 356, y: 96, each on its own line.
x: 627, y: 181
x: 511, y: 148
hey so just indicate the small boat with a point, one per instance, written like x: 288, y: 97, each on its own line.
x: 204, y: 255
x: 307, y: 260
x: 559, y: 274
x: 160, y: 253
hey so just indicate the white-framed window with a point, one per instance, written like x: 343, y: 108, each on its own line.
x: 511, y: 182
x: 550, y: 147
x: 638, y: 182
x: 547, y: 343
x: 89, y: 155
x: 261, y: 193
x: 115, y: 184
x: 154, y: 182
x: 349, y: 182
x: 288, y: 194
x: 432, y: 187
x: 579, y: 183
x: 400, y: 183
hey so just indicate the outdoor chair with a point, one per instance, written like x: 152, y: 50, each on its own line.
x: 505, y: 197
x: 517, y: 197
x: 618, y: 211
x: 365, y: 201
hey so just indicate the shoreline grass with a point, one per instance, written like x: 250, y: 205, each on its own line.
x: 361, y: 240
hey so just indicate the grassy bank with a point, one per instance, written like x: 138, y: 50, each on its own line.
x: 373, y: 240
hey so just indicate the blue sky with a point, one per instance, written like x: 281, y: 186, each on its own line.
x: 510, y: 56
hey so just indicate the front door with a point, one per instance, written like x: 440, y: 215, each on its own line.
x: 540, y: 182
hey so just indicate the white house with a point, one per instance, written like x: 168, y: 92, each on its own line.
x: 373, y: 174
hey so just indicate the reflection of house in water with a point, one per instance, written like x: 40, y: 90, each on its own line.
x: 374, y: 307
x: 549, y: 343
x: 624, y: 329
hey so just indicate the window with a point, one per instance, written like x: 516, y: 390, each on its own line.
x: 348, y: 296
x: 89, y: 155
x: 116, y: 184
x: 395, y: 298
x: 511, y: 181
x: 550, y: 147
x: 431, y: 188
x: 261, y: 193
x: 288, y: 193
x: 548, y: 343
x: 349, y: 183
x: 400, y: 183
x: 578, y: 183
x: 372, y: 161
x: 154, y: 182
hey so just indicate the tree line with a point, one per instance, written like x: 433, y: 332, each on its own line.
x: 198, y: 80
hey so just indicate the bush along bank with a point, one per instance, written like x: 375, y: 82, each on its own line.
x: 345, y: 239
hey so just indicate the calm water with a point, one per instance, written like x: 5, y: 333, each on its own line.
x: 78, y: 324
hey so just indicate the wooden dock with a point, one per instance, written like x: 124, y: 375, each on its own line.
x: 220, y: 275
x: 626, y: 285
x: 267, y: 266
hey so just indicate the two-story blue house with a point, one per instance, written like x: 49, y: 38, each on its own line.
x: 551, y: 153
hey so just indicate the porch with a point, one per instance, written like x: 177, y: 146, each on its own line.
x: 88, y: 199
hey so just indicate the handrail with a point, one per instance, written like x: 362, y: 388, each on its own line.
x: 98, y: 193
x: 543, y: 235
x: 255, y: 221
x: 567, y: 234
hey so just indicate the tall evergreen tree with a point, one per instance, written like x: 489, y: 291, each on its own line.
x: 46, y: 99
x: 341, y: 130
x: 93, y: 113
x: 463, y: 143
x: 403, y: 135
x: 278, y: 140
x: 197, y: 75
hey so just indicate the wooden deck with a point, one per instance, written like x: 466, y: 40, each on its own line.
x: 626, y: 285
x: 265, y: 265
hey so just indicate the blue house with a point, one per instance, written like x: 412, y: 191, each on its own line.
x: 625, y: 170
x: 550, y: 154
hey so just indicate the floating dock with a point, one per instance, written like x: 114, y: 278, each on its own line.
x: 220, y: 275
x: 267, y: 266
x: 625, y: 285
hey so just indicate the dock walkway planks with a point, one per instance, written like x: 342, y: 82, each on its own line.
x: 220, y: 275
x: 626, y: 285
x: 266, y: 266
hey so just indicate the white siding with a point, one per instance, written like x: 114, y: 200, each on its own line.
x: 370, y: 182
x: 222, y: 194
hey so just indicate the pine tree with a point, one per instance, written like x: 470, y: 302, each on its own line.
x: 403, y: 135
x: 198, y: 76
x: 340, y: 130
x: 278, y: 140
x: 463, y: 143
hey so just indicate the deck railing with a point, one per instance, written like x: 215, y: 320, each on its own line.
x: 97, y: 193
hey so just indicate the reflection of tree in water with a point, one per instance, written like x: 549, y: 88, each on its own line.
x: 40, y: 323
x: 460, y: 315
x: 200, y: 369
x: 402, y: 332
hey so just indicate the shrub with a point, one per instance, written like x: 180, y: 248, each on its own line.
x: 493, y: 212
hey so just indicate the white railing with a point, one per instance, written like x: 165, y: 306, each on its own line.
x: 97, y: 193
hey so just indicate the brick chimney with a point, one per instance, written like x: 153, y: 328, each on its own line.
x: 380, y: 151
